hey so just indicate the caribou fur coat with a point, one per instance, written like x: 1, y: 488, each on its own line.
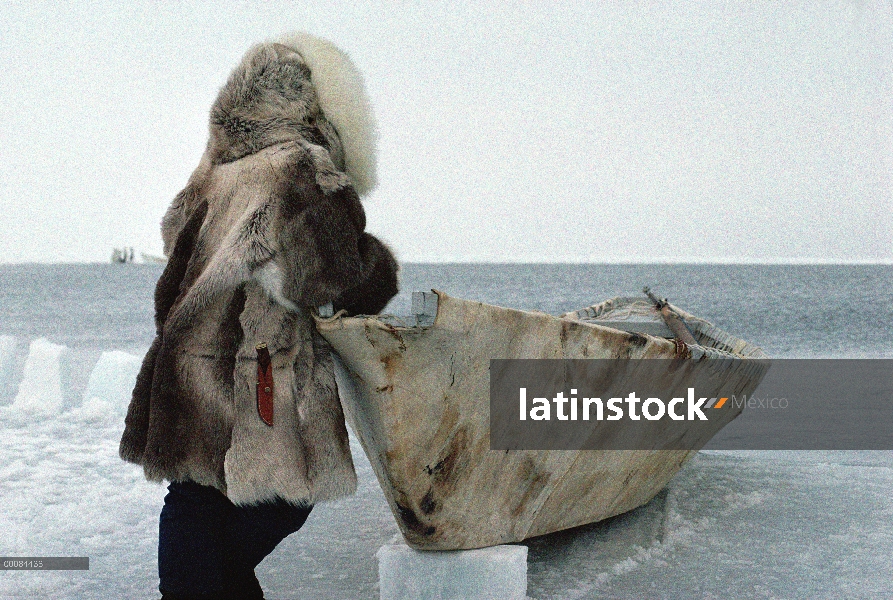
x: 268, y: 226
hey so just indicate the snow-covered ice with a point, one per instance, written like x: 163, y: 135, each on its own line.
x: 747, y: 524
x: 46, y: 385
x: 495, y: 573
x: 731, y: 524
x: 111, y: 381
x: 8, y: 349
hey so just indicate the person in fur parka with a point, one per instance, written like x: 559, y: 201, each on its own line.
x: 269, y: 226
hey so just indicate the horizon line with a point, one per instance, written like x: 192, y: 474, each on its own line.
x: 657, y: 261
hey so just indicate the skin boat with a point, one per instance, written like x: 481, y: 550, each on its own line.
x: 417, y: 394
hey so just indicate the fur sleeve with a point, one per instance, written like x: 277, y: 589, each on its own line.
x: 378, y: 283
x: 320, y: 246
x: 324, y: 251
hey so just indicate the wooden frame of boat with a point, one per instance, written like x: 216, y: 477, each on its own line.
x: 417, y: 397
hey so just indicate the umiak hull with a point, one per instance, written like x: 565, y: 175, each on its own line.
x: 418, y: 400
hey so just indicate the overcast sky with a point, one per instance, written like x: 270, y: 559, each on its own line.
x: 536, y: 132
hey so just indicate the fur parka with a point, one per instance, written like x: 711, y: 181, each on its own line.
x: 268, y: 226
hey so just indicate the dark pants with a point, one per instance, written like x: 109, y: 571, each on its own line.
x: 208, y: 547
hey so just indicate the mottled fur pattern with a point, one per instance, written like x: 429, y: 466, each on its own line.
x: 268, y: 226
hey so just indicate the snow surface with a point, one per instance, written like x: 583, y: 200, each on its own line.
x: 732, y: 524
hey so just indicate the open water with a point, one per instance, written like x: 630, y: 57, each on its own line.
x: 790, y: 310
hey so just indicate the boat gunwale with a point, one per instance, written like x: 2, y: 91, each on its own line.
x: 701, y: 328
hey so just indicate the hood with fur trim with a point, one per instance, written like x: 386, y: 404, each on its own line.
x: 298, y: 86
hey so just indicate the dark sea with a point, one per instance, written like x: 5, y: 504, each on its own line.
x: 802, y: 311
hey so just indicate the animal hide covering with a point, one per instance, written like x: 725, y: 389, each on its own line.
x: 269, y: 225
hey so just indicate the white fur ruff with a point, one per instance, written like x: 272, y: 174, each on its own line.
x: 343, y: 99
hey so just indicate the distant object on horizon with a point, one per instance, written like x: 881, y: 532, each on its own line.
x: 122, y: 255
x: 126, y: 256
x: 151, y: 259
